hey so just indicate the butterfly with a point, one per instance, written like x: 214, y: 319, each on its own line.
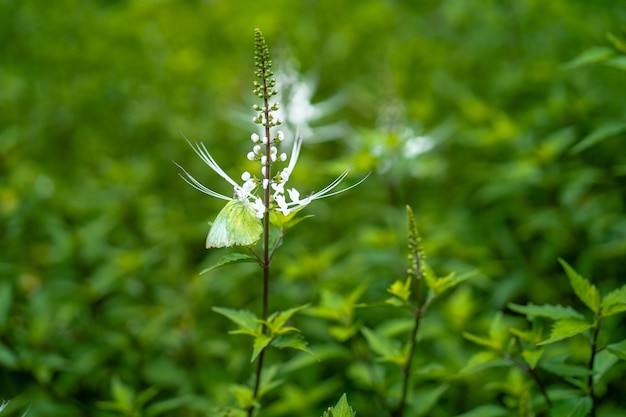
x: 235, y: 225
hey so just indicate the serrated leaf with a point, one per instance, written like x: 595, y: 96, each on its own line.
x: 292, y: 341
x: 618, y: 349
x: 231, y: 258
x: 566, y: 328
x: 341, y: 409
x: 261, y: 341
x: 553, y: 312
x: 484, y: 360
x: 572, y: 407
x: 614, y: 302
x: 246, y: 320
x: 388, y: 349
x: 586, y: 292
x: 277, y: 320
x: 443, y: 284
x: 603, y: 132
x: 400, y: 289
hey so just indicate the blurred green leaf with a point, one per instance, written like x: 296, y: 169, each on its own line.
x: 618, y: 349
x: 488, y: 410
x: 585, y: 291
x: 566, y: 328
x: 614, y: 302
x: 552, y: 312
x: 532, y: 356
x: 557, y: 365
x: 590, y: 56
x: 341, y: 409
x: 246, y: 320
x: 603, y: 132
x: 572, y: 407
x: 400, y: 289
x: 261, y: 341
x: 388, y: 349
x: 231, y: 258
x: 277, y: 320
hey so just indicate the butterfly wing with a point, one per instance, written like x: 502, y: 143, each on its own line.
x: 235, y: 225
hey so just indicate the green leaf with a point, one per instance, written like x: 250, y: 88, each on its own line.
x: 6, y: 298
x: 244, y: 396
x: 8, y: 358
x: 586, y: 292
x: 604, y: 132
x: 614, y: 302
x: 277, y: 320
x: 341, y: 409
x: 479, y: 340
x: 440, y: 285
x: 484, y: 360
x: 235, y: 225
x: 603, y: 361
x: 572, y: 407
x: 488, y: 410
x: 400, y: 289
x: 292, y: 341
x: 388, y: 349
x: 261, y: 341
x: 232, y: 258
x: 532, y: 356
x: 553, y: 312
x: 557, y: 366
x: 618, y: 349
x: 246, y: 320
x: 426, y: 399
x: 566, y: 328
x: 122, y: 394
x: 590, y: 56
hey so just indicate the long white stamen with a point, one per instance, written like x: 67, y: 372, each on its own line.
x: 195, y: 184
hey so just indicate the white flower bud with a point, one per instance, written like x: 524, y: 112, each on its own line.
x: 250, y: 156
x: 255, y: 138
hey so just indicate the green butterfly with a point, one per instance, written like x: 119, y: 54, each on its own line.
x: 235, y: 225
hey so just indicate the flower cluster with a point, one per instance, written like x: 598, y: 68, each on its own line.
x: 284, y: 200
x: 273, y: 196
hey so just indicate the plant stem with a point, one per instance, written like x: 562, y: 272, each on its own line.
x: 419, y: 312
x: 531, y: 371
x: 590, y: 384
x: 266, y: 231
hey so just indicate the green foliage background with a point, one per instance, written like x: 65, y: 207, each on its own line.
x: 102, y: 242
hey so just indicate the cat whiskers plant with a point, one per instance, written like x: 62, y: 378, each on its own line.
x: 256, y: 204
